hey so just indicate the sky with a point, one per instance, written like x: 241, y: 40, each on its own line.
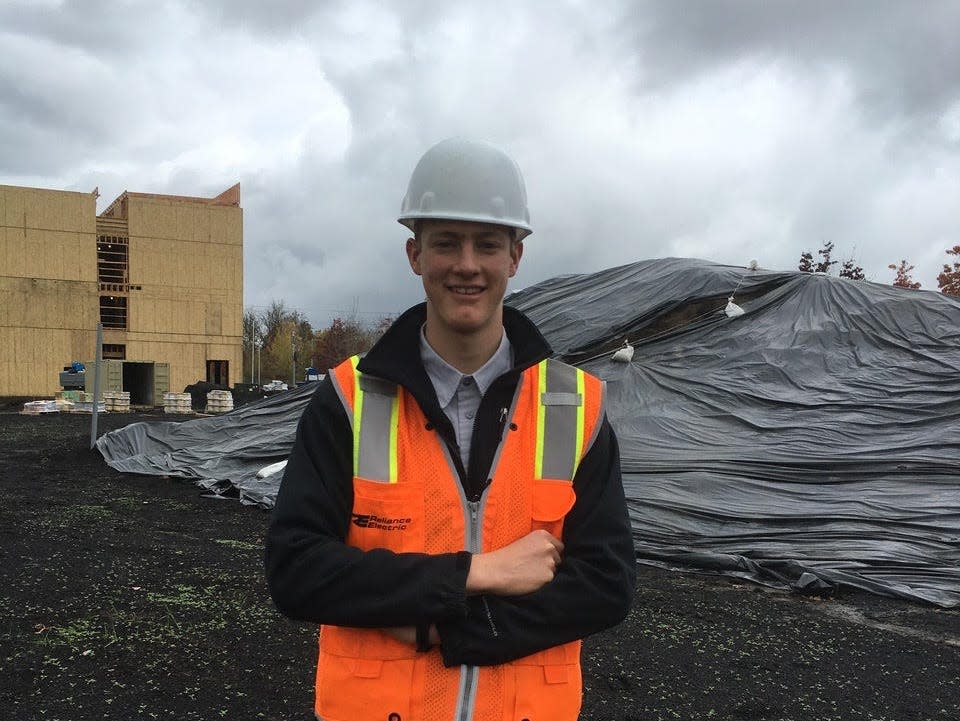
x: 727, y: 130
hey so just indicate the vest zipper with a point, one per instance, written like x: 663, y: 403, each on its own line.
x: 470, y: 678
x: 473, y: 508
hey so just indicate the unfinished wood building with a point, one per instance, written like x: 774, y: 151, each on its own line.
x: 163, y: 273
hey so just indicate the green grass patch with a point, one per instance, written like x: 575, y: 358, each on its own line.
x: 240, y: 545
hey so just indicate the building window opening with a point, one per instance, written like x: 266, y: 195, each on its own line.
x: 114, y: 351
x: 112, y: 263
x: 218, y: 372
x: 113, y: 311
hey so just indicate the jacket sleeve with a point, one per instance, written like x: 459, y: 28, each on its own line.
x: 312, y: 574
x: 591, y: 591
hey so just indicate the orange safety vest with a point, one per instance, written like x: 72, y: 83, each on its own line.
x: 407, y: 497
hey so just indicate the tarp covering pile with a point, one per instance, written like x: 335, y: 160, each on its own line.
x: 813, y: 440
x: 222, y: 453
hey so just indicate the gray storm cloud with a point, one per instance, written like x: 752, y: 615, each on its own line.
x: 724, y: 130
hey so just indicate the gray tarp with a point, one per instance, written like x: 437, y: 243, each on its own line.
x: 222, y: 454
x: 813, y: 440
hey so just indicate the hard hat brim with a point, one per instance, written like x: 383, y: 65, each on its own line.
x: 409, y: 220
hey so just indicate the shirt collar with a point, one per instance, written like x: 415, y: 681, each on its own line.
x: 446, y: 379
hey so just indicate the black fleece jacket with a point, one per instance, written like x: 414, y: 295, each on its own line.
x: 314, y: 576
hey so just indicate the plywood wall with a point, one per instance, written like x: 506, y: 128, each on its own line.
x: 48, y: 273
x: 185, y: 303
x: 187, y: 260
x: 47, y: 234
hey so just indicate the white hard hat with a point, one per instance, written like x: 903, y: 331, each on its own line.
x: 460, y: 179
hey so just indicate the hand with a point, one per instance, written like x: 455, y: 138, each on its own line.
x: 408, y: 634
x: 522, y: 567
x: 403, y: 634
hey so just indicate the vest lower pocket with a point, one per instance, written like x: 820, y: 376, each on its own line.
x: 551, y: 502
x: 354, y: 689
x: 363, y: 674
x: 386, y: 515
x: 549, y: 684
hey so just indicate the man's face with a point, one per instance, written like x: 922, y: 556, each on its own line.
x: 465, y: 267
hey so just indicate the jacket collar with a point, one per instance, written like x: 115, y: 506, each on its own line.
x: 396, y: 356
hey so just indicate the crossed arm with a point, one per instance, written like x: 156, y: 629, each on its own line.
x: 487, y: 608
x: 514, y: 570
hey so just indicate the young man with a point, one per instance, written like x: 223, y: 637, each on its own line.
x: 452, y: 511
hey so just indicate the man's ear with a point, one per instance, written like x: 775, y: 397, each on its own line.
x: 413, y: 255
x: 516, y: 252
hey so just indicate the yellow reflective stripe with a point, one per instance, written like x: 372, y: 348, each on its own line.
x: 561, y: 420
x: 394, y: 425
x: 374, y: 442
x: 581, y: 422
x: 357, y: 413
x: 541, y: 417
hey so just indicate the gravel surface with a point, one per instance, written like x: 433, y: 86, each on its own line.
x: 131, y: 597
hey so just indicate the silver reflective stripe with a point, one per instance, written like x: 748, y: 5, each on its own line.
x: 343, y: 399
x: 561, y: 419
x: 376, y: 458
x: 561, y: 399
x: 600, y: 415
x: 377, y: 385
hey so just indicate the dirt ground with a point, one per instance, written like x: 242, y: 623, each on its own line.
x: 132, y: 597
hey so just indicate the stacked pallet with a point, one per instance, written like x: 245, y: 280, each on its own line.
x: 35, y: 408
x: 117, y: 401
x: 86, y: 407
x: 74, y: 396
x: 219, y: 401
x: 67, y: 400
x: 177, y: 403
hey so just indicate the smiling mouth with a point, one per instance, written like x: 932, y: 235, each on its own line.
x: 465, y: 290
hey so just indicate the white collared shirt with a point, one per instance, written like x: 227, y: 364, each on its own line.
x: 459, y: 395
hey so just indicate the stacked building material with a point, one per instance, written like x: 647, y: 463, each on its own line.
x: 85, y: 407
x: 35, y: 408
x: 117, y: 401
x: 177, y: 403
x: 219, y: 401
x: 67, y: 400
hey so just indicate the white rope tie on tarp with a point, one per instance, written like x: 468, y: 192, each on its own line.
x: 623, y: 355
x: 271, y: 469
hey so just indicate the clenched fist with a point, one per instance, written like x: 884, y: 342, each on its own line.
x: 522, y: 567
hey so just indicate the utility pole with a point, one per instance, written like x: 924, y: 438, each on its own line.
x: 253, y: 344
x: 293, y: 361
x: 96, y: 385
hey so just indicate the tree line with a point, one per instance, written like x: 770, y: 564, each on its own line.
x: 280, y: 343
x: 948, y: 281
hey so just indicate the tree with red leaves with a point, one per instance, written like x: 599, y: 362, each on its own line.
x: 949, y: 279
x: 904, y: 279
x: 345, y: 338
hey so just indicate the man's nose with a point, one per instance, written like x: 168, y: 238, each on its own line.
x: 467, y: 259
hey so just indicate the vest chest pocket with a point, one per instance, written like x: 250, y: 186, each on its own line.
x: 551, y: 501
x: 387, y: 515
